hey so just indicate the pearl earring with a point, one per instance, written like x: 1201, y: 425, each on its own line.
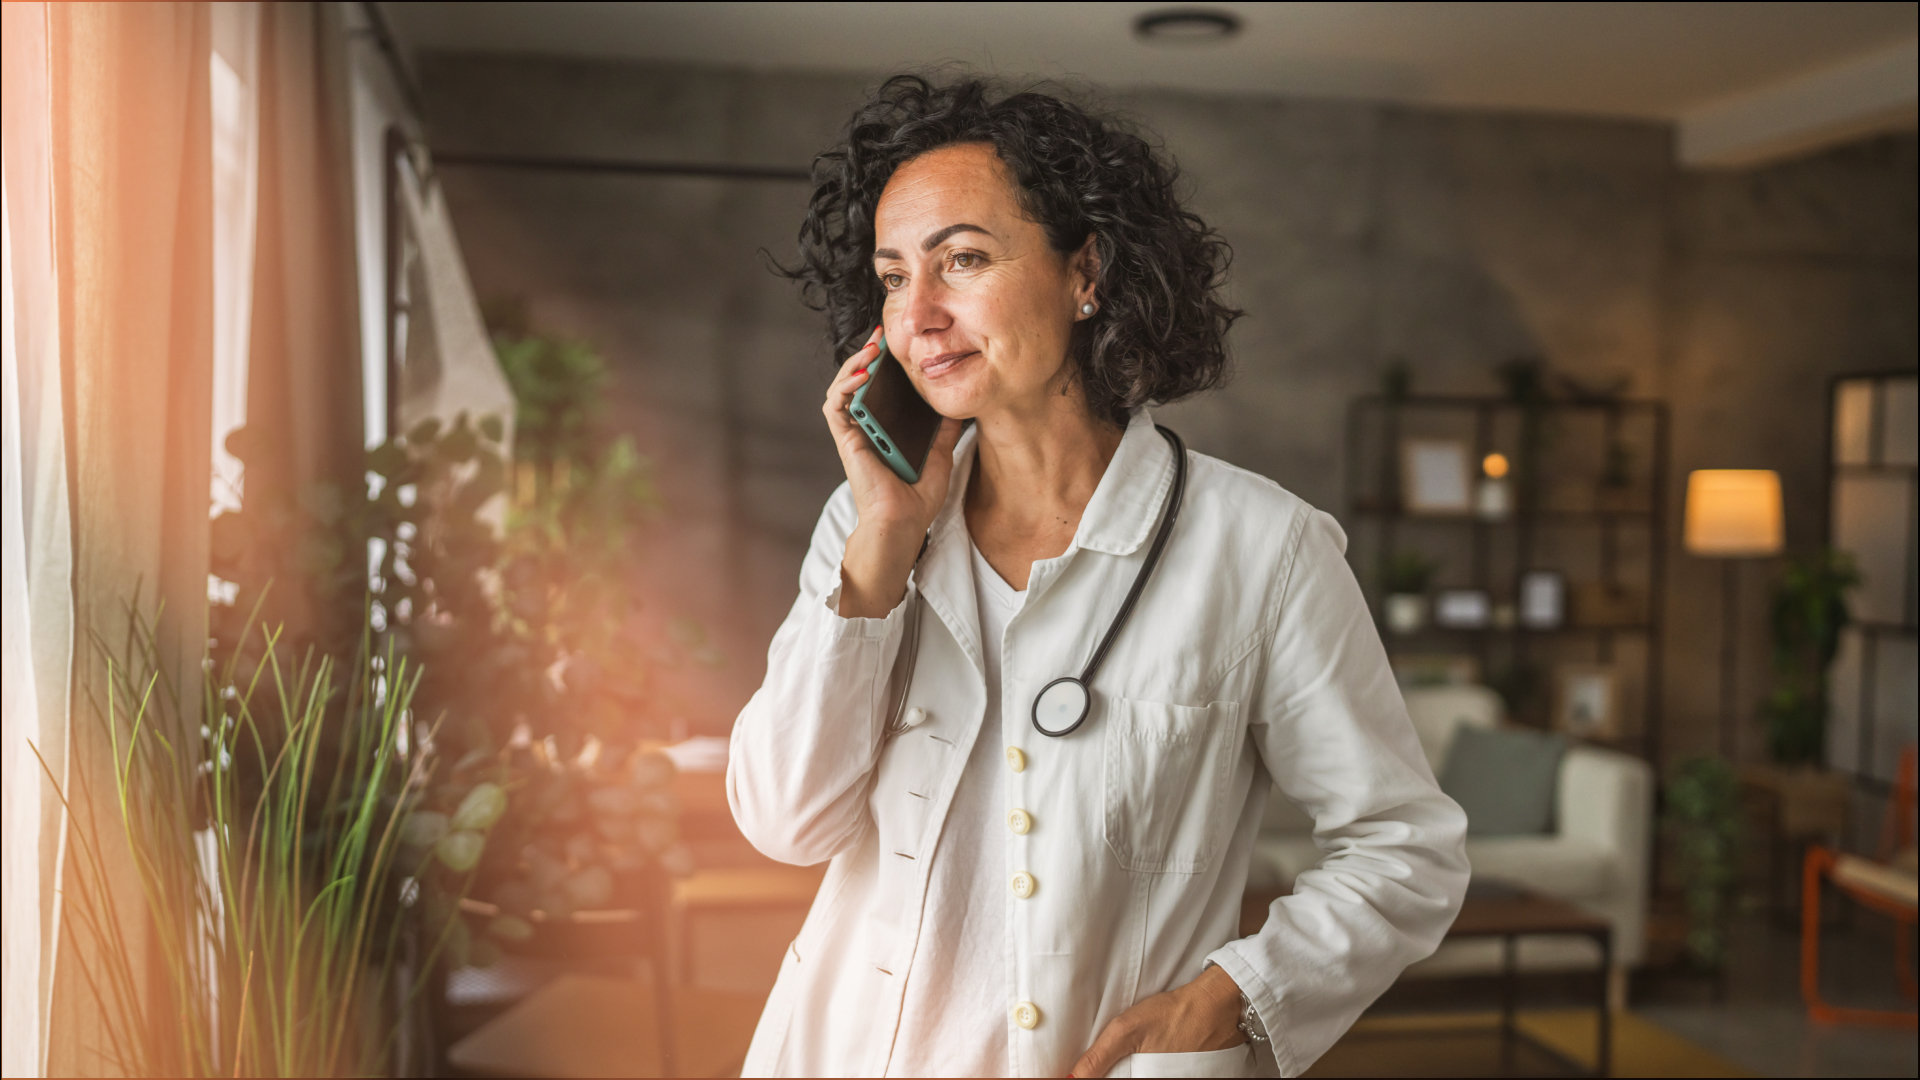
x: 1086, y: 309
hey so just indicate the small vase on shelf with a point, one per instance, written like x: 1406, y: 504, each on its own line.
x: 1406, y: 612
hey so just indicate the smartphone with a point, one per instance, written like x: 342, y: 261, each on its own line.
x: 898, y: 421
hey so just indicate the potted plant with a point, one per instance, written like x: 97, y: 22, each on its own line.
x: 1809, y: 612
x: 1406, y: 576
x: 268, y: 824
x: 1703, y: 817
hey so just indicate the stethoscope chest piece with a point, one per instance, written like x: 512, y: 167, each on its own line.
x: 1061, y: 706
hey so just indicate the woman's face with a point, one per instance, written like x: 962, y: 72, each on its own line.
x: 979, y: 306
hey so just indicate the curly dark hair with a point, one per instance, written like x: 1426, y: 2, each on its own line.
x: 1158, y: 334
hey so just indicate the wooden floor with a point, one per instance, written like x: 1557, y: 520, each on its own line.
x: 1468, y: 1044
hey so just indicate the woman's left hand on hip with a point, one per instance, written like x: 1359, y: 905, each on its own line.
x: 1202, y: 1015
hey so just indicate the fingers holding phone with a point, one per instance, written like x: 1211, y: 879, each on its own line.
x: 881, y: 424
x: 853, y: 374
x: 898, y: 457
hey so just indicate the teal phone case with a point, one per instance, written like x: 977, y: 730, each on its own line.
x: 882, y: 443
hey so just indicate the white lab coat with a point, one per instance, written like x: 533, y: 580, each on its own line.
x: 1251, y: 655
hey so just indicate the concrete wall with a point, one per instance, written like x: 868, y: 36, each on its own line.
x: 1780, y: 278
x: 1362, y: 233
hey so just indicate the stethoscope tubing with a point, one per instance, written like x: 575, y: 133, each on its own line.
x: 1085, y: 679
x: 1172, y: 514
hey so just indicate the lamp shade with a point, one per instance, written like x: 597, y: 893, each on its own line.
x: 1733, y: 512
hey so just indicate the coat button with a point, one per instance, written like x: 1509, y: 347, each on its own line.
x: 1023, y: 884
x: 1027, y: 1015
x: 1019, y: 821
x: 916, y: 716
x: 1016, y: 759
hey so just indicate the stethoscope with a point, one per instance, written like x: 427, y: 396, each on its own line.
x: 1063, y: 704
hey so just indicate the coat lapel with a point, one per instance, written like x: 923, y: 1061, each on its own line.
x: 944, y: 575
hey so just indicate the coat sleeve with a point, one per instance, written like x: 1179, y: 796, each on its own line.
x: 1333, y: 731
x: 803, y: 751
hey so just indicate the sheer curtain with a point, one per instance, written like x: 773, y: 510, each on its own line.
x: 38, y: 553
x: 180, y: 224
x: 178, y: 260
x: 133, y: 202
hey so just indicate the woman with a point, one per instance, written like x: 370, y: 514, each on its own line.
x: 1001, y: 902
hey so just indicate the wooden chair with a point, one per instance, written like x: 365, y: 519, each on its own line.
x: 1887, y: 885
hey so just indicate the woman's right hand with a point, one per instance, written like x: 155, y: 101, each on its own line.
x: 894, y: 515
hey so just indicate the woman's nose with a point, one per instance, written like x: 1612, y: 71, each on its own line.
x: 923, y: 309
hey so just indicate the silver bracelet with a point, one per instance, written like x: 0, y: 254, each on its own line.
x: 1250, y: 1025
x: 1249, y: 1022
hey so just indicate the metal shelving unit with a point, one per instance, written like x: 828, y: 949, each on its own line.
x: 1564, y: 517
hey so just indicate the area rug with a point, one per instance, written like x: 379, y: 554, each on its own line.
x: 1468, y: 1044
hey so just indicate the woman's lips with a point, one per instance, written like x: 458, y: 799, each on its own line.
x: 935, y: 366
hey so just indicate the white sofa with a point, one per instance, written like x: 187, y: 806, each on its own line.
x: 1598, y: 857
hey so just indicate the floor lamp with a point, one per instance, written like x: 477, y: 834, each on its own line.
x: 1732, y: 514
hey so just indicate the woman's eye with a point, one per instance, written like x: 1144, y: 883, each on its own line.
x: 964, y: 260
x: 892, y: 281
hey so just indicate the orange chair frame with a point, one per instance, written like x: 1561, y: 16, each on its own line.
x: 1819, y: 864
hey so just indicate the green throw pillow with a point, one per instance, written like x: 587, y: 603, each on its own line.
x: 1505, y: 779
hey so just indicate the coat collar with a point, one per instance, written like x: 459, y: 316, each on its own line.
x: 1126, y: 505
x: 1124, y: 509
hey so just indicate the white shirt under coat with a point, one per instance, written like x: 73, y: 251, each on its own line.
x: 1251, y: 655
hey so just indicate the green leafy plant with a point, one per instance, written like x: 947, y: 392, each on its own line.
x: 559, y: 392
x: 1407, y: 572
x: 1703, y: 814
x: 266, y: 826
x: 509, y: 582
x: 1809, y: 612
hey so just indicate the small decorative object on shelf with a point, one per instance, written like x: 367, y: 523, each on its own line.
x: 1463, y: 609
x: 1543, y: 600
x: 1405, y: 577
x: 1493, y: 496
x: 1406, y: 613
x: 1436, y: 477
x: 1586, y: 700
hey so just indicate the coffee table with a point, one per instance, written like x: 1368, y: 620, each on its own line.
x: 1495, y: 910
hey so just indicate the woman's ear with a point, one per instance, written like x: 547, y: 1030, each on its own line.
x: 1084, y: 267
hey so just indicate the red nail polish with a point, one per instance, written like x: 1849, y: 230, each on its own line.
x: 859, y: 371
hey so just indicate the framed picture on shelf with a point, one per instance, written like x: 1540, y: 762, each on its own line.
x: 1462, y: 609
x: 1543, y: 600
x: 1586, y: 701
x: 1435, y: 476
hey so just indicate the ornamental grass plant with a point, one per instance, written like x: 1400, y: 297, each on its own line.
x: 265, y: 817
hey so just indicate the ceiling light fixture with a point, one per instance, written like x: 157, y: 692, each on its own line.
x: 1171, y: 25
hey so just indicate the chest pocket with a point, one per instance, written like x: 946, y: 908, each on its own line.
x: 1165, y: 775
